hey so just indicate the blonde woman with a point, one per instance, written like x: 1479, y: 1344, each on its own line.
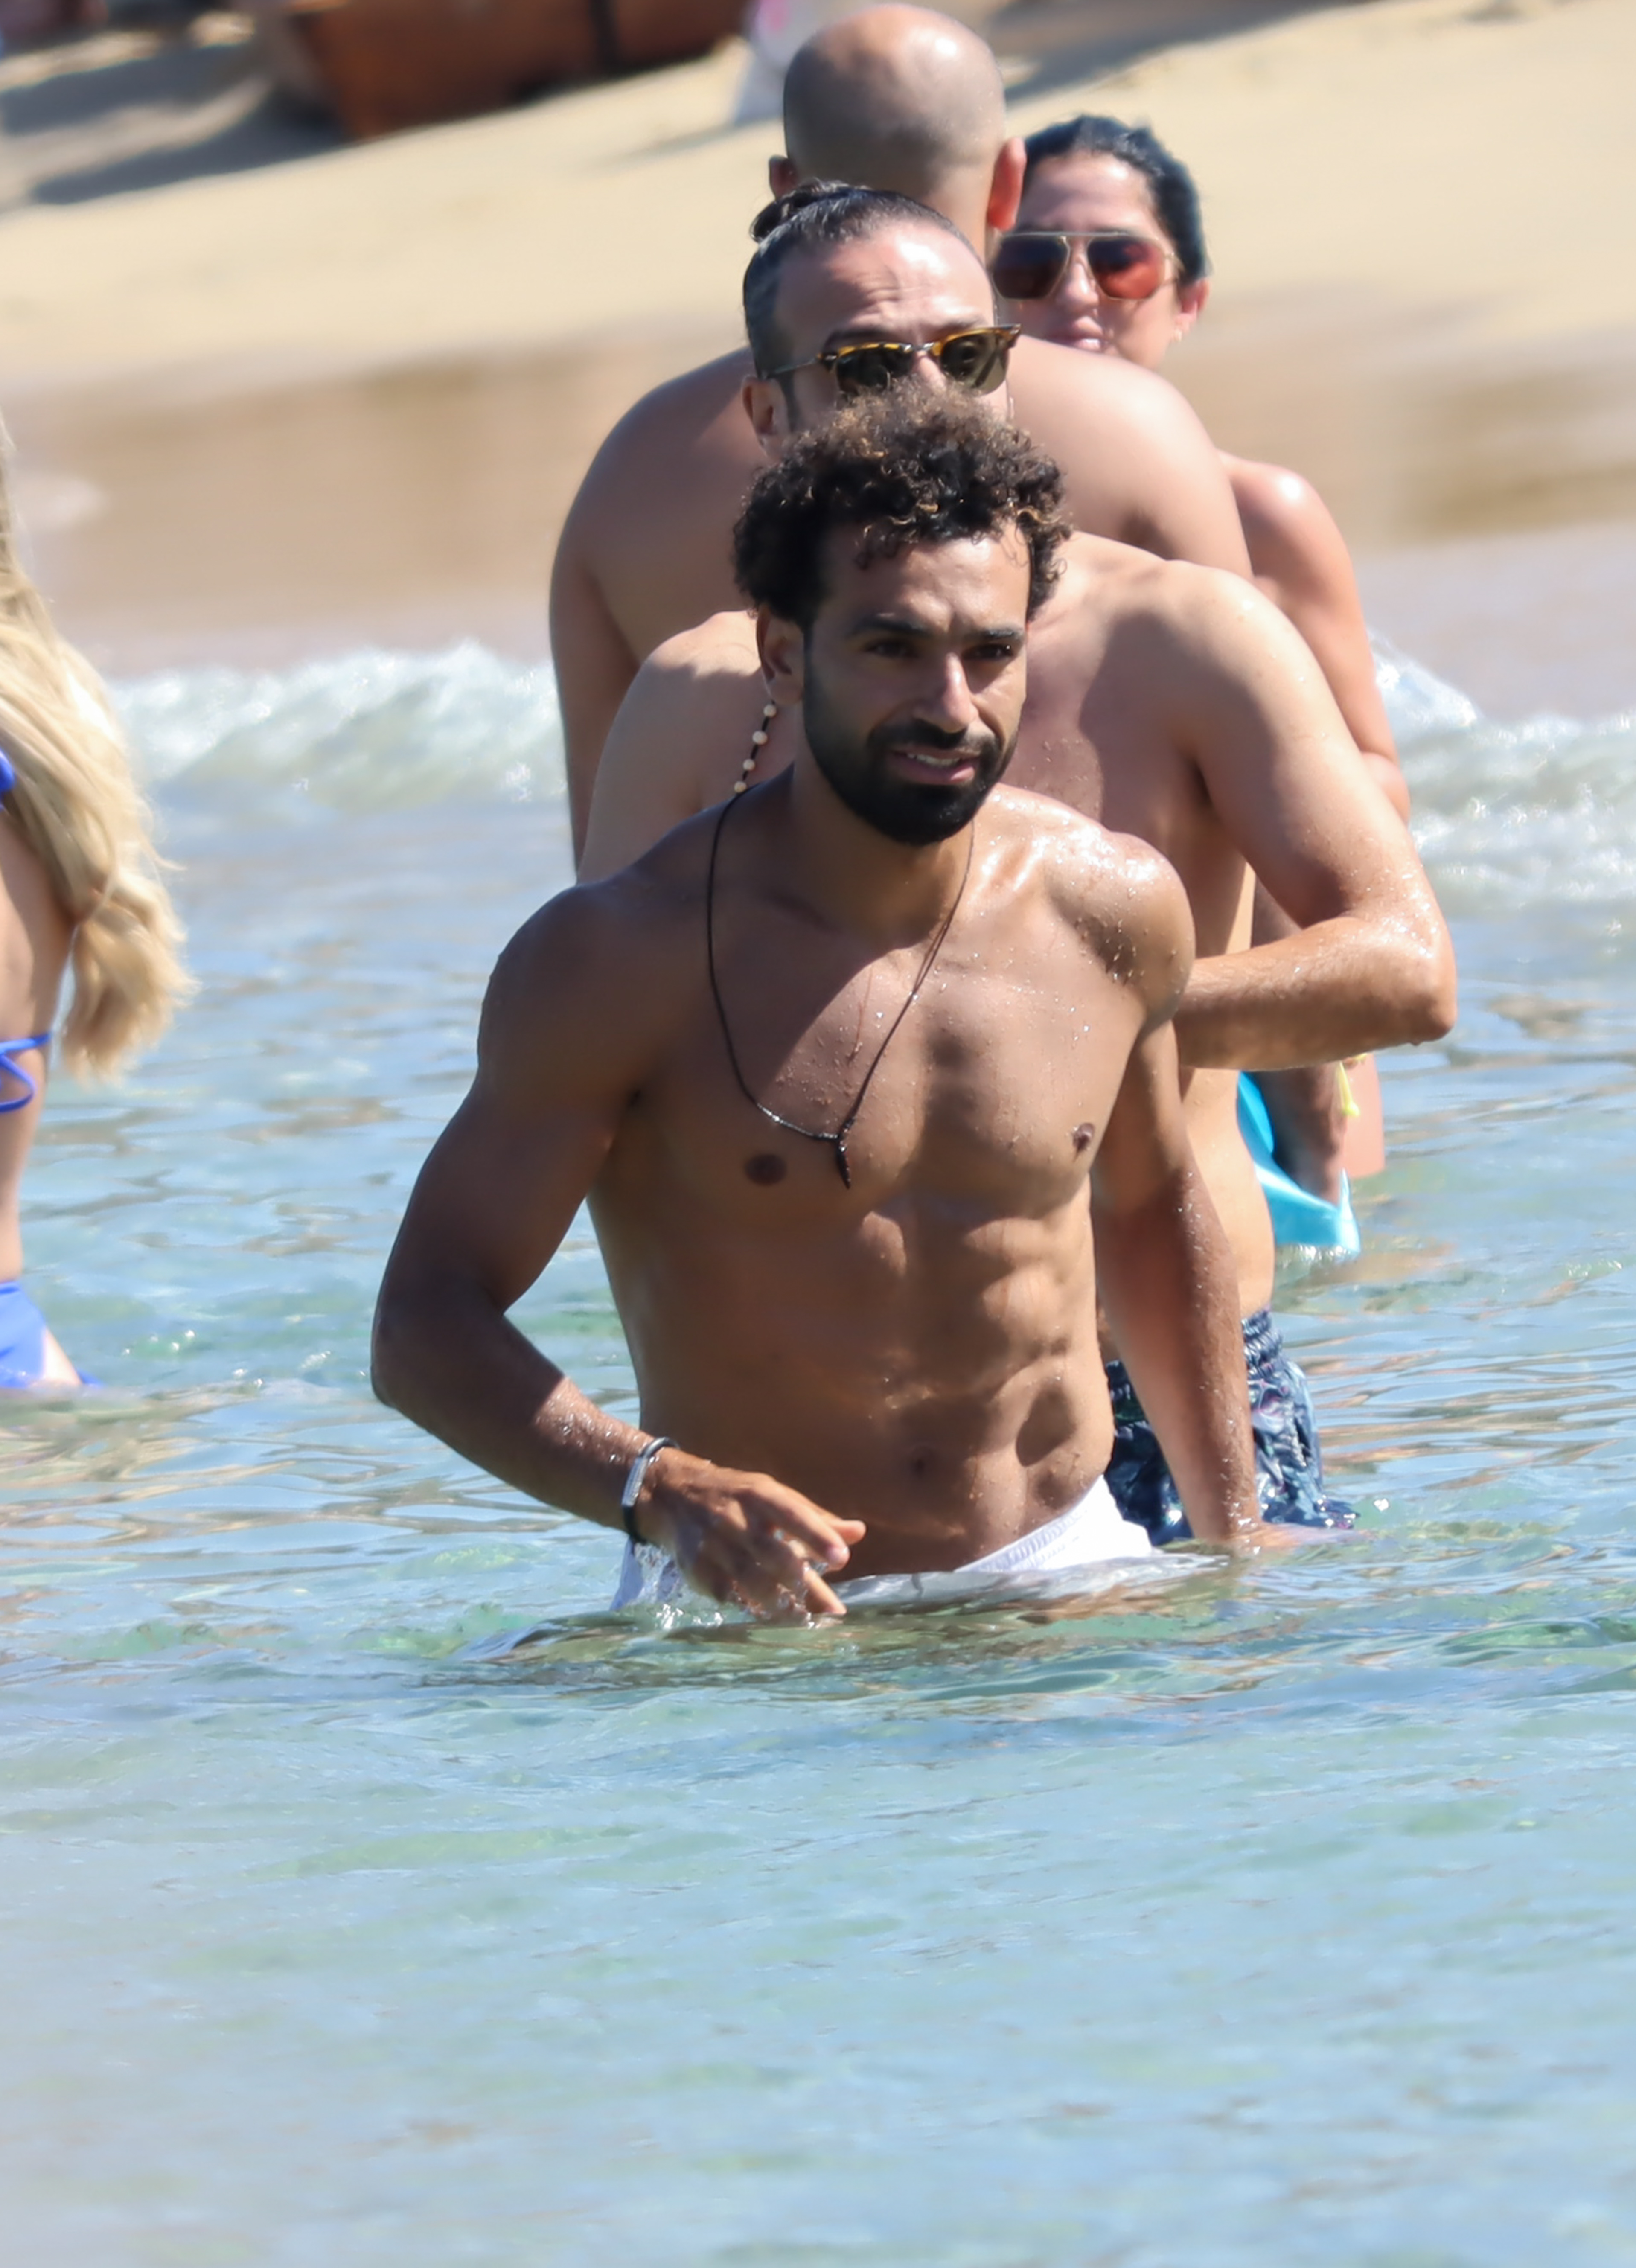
x: 79, y: 893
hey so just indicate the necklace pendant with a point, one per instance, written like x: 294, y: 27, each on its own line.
x: 840, y: 1159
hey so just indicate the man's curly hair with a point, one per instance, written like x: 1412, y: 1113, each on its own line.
x: 904, y: 468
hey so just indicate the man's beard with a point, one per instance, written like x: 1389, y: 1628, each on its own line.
x: 905, y: 810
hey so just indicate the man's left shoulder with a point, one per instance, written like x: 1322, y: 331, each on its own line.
x: 1102, y: 884
x: 1214, y: 627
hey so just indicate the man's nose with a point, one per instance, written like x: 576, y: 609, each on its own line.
x: 950, y: 698
x: 927, y: 370
x: 1079, y: 287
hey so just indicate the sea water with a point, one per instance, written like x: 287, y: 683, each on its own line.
x: 1276, y: 1914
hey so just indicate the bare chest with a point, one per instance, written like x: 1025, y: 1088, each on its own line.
x: 985, y: 1103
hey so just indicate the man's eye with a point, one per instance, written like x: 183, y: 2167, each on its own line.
x: 894, y: 648
x: 994, y: 649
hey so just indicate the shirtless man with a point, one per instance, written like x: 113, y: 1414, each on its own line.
x: 1169, y: 701
x: 841, y: 1080
x: 1108, y: 257
x: 899, y: 98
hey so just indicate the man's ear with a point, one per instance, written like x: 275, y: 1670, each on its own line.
x: 783, y: 175
x: 769, y: 413
x: 782, y: 645
x: 1005, y: 188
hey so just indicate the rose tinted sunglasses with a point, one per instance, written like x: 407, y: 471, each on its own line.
x: 975, y: 359
x: 1031, y: 262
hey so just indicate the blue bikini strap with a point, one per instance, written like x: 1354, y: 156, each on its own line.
x: 10, y: 1049
x: 9, y: 1068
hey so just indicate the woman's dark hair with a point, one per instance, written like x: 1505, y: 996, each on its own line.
x: 818, y: 213
x: 903, y: 469
x: 1171, y: 187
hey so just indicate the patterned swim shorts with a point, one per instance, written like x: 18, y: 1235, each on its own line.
x: 1289, y: 1464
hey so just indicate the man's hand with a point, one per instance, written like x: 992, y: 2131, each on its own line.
x: 742, y: 1538
x: 1249, y: 1537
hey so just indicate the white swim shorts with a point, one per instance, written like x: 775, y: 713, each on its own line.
x: 1089, y: 1534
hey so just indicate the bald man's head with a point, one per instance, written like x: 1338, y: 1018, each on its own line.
x: 896, y: 98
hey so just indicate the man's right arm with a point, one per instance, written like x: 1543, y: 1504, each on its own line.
x: 1370, y: 963
x: 572, y: 1023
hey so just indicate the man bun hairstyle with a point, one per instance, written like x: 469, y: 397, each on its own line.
x: 809, y: 220
x: 900, y: 469
x: 1172, y: 189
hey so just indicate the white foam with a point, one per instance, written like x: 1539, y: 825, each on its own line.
x: 365, y: 732
x: 1508, y: 815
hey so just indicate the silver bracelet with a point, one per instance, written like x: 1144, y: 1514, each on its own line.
x: 634, y: 1479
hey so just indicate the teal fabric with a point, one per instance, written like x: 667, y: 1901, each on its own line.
x: 1298, y: 1217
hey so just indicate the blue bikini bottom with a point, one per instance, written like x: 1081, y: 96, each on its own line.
x: 23, y: 1341
x: 22, y: 1337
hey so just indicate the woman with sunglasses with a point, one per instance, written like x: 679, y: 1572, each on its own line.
x: 1108, y: 256
x: 78, y: 891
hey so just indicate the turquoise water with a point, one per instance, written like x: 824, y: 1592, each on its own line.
x: 1280, y: 1917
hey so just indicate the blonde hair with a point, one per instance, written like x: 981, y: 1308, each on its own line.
x: 78, y: 808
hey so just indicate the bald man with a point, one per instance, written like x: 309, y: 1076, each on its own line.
x: 895, y: 99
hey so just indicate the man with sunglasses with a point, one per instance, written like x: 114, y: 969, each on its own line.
x: 1169, y: 701
x: 897, y: 98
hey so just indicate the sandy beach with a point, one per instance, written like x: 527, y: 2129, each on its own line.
x: 349, y: 395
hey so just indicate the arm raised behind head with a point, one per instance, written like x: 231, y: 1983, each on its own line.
x: 1371, y: 965
x: 1164, y: 1269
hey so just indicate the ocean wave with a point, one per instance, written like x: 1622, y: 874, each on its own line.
x: 369, y: 730
x: 1507, y: 814
x: 1510, y: 815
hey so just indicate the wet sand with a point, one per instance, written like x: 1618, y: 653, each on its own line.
x: 350, y: 397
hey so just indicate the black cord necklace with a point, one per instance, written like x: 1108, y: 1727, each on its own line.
x: 836, y: 1141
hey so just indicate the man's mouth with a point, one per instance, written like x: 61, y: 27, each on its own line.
x: 937, y: 768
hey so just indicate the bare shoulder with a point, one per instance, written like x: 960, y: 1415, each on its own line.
x: 720, y: 650
x: 694, y: 697
x: 1292, y: 534
x: 670, y: 420
x: 1123, y: 901
x: 1185, y: 610
x: 1214, y: 625
x: 1053, y: 377
x: 596, y: 971
x: 1117, y: 579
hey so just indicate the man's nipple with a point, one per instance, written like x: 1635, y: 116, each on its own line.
x: 1083, y: 1137
x: 765, y: 1168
